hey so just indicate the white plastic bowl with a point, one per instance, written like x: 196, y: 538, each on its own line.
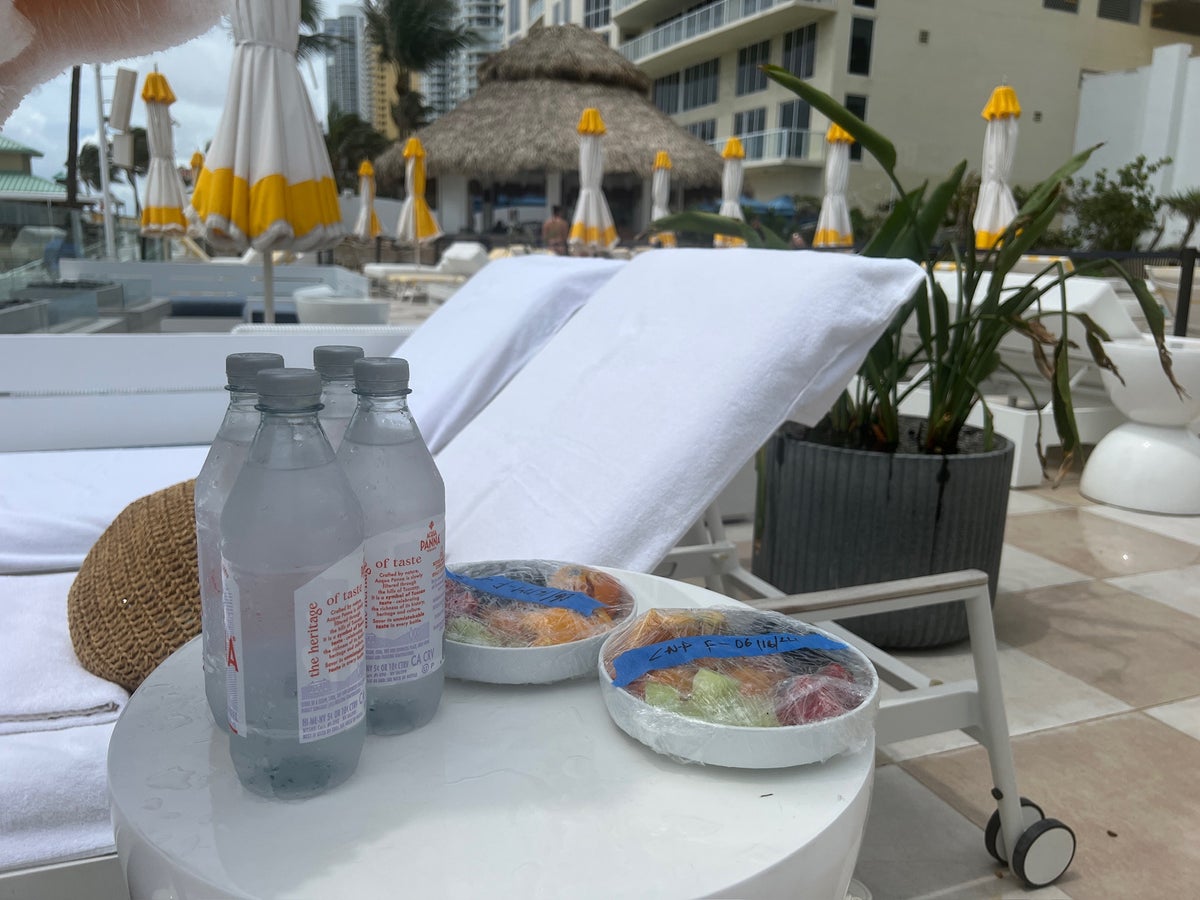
x: 521, y: 665
x: 740, y: 747
x: 342, y: 311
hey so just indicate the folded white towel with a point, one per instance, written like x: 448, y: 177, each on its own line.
x: 44, y: 685
x: 464, y: 353
x: 614, y: 438
x: 54, y: 796
x: 55, y: 504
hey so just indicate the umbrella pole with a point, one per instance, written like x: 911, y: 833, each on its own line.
x: 268, y: 287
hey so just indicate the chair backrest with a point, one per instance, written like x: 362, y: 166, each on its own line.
x: 611, y: 441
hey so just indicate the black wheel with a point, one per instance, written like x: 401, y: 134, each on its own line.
x: 993, y: 835
x: 1043, y: 852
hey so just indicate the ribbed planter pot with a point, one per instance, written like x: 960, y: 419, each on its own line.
x: 829, y: 517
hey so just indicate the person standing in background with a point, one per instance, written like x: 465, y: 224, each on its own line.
x: 554, y: 232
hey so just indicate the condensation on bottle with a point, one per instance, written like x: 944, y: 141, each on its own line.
x: 404, y: 506
x: 294, y: 601
x: 221, y: 467
x: 335, y: 363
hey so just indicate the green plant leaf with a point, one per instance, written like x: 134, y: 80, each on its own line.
x: 870, y: 139
x: 1041, y: 194
x: 708, y: 223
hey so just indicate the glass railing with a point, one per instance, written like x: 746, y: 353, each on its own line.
x: 697, y: 23
x: 780, y: 144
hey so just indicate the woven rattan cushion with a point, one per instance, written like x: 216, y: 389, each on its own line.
x: 137, y: 596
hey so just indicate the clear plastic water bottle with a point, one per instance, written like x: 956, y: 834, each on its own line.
x: 221, y: 467
x: 404, y: 505
x: 295, y: 601
x: 336, y: 365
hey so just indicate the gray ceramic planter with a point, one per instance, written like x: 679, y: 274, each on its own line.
x: 830, y: 517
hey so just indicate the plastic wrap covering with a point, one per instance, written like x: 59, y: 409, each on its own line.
x: 529, y: 621
x: 732, y: 686
x: 52, y: 35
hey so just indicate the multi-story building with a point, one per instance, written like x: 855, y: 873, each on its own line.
x: 350, y: 64
x: 919, y: 71
x: 449, y: 83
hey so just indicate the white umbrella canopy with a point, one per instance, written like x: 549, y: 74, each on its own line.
x: 416, y: 224
x: 367, y: 227
x: 592, y: 227
x: 660, y: 196
x: 162, y: 213
x: 731, y: 191
x: 995, y: 209
x: 833, y: 222
x: 267, y: 183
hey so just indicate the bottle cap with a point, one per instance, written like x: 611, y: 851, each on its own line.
x: 241, y: 368
x: 336, y: 360
x: 381, y: 375
x: 289, y: 389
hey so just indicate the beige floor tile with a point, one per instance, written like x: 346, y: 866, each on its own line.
x: 1182, y: 716
x: 1125, y: 785
x: 1036, y: 696
x: 1023, y: 502
x: 1129, y: 647
x: 1021, y: 570
x: 1177, y: 588
x: 1095, y: 545
x: 1180, y: 528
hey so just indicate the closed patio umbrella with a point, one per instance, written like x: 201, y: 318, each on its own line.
x: 833, y: 222
x: 731, y: 191
x: 995, y: 208
x: 592, y: 227
x: 660, y: 195
x: 267, y: 183
x: 417, y: 224
x: 367, y: 227
x: 162, y: 213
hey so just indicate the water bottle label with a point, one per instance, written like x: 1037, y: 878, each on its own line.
x: 235, y: 686
x: 330, y: 668
x: 406, y: 597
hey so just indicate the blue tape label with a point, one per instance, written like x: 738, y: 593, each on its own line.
x: 633, y: 664
x: 511, y: 589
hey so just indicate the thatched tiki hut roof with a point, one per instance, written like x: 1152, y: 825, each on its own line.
x: 524, y: 114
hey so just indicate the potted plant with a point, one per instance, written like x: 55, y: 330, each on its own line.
x: 870, y: 495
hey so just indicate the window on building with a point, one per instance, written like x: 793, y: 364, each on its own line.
x: 666, y: 93
x: 558, y: 14
x: 1064, y: 5
x: 750, y: 77
x: 800, y: 51
x: 749, y: 125
x: 862, y: 32
x: 857, y: 104
x: 514, y: 17
x: 705, y: 129
x: 1181, y: 17
x: 566, y: 12
x: 596, y: 13
x: 868, y: 3
x: 794, y: 121
x: 1120, y: 10
x: 700, y: 84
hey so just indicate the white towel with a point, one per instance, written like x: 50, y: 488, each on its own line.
x: 54, y: 796
x: 611, y: 442
x: 55, y: 504
x: 44, y: 687
x: 463, y: 354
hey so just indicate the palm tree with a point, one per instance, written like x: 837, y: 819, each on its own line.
x: 413, y: 35
x: 1186, y: 204
x: 312, y: 41
x: 349, y: 141
x: 89, y: 167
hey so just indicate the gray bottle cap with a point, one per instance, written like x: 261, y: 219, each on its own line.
x: 336, y: 360
x: 289, y: 389
x: 241, y: 368
x: 381, y: 375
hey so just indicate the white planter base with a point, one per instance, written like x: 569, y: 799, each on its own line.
x: 1148, y: 468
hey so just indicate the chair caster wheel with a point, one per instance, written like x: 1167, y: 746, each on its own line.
x: 1043, y: 852
x: 993, y: 835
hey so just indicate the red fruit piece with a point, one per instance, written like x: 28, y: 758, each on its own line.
x: 811, y: 698
x: 836, y: 670
x: 460, y: 601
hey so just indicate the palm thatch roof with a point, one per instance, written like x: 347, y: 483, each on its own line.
x: 524, y: 115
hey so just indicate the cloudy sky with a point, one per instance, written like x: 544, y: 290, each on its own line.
x: 198, y: 72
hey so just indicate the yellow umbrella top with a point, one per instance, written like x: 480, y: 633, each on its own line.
x: 1001, y: 104
x: 838, y: 135
x: 590, y: 122
x: 662, y: 160
x: 197, y: 161
x: 413, y: 147
x: 733, y: 149
x: 366, y: 170
x: 156, y: 89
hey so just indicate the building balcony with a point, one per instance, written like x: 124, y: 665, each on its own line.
x: 715, y: 28
x: 780, y: 146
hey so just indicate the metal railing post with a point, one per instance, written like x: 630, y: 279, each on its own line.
x: 1187, y: 266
